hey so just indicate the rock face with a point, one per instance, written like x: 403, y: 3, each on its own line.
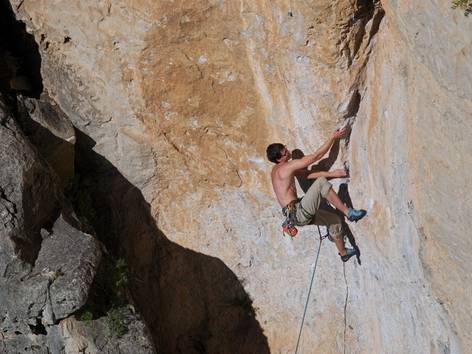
x: 47, y: 264
x: 74, y: 268
x: 412, y: 129
x: 176, y: 102
x: 191, y: 302
x: 29, y: 197
x: 31, y: 292
x: 94, y: 337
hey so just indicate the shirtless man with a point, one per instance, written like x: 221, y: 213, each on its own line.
x: 307, y: 208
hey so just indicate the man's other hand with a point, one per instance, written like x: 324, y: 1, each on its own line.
x: 340, y: 172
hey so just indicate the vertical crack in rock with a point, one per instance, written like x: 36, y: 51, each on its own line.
x: 358, y: 34
x: 353, y: 103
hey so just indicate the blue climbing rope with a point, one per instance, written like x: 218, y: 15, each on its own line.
x: 309, y: 289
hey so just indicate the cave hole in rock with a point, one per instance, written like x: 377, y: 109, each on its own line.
x: 20, y: 61
x: 38, y: 328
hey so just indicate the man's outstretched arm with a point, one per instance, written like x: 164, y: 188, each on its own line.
x: 323, y: 149
x: 307, y: 160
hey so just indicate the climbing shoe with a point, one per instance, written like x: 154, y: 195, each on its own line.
x: 355, y: 214
x: 349, y: 253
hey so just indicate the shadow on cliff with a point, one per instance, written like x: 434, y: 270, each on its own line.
x: 191, y: 302
x: 343, y: 192
x: 322, y: 165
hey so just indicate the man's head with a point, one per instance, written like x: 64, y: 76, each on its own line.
x: 277, y: 152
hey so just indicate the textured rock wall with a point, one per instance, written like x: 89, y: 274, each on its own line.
x: 182, y: 98
x: 412, y: 131
x: 47, y: 264
x: 49, y: 267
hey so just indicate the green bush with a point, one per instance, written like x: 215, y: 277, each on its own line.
x: 465, y: 5
x: 108, y: 294
x: 461, y: 4
x: 86, y: 317
x: 116, y: 322
x: 121, y: 275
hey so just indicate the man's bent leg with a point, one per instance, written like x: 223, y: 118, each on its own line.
x: 333, y: 222
x: 333, y: 198
x: 321, y: 188
x: 312, y: 199
x: 351, y: 213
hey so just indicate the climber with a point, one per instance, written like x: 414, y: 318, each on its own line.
x: 307, y: 210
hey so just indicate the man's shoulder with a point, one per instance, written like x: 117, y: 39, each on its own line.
x: 278, y: 167
x: 282, y: 171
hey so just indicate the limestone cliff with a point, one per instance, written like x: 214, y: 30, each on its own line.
x: 53, y: 293
x: 173, y: 104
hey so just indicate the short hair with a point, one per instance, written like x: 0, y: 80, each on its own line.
x: 274, y: 152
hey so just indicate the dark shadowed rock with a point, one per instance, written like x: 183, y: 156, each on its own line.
x: 99, y: 336
x: 41, y: 282
x: 47, y: 265
x: 49, y: 129
x: 29, y: 196
x: 66, y: 266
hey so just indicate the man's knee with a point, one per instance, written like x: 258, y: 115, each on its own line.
x: 325, y: 186
x: 336, y: 231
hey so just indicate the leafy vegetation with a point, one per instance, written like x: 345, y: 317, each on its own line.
x: 116, y: 322
x: 460, y: 3
x: 121, y: 275
x: 465, y: 5
x: 108, y: 296
x: 86, y: 317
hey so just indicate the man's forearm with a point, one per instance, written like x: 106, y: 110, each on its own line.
x: 314, y: 175
x: 317, y: 155
x: 308, y: 160
x: 323, y: 149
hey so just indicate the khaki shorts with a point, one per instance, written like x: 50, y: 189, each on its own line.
x: 309, y: 212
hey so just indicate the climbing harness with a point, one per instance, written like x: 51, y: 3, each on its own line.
x: 290, y: 213
x: 322, y: 237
